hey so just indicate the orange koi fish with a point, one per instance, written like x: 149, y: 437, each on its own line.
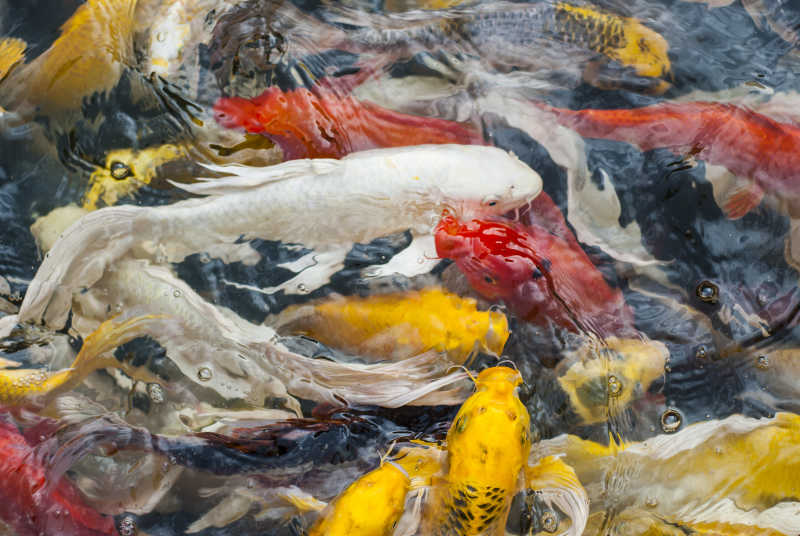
x: 30, y: 504
x: 723, y: 134
x: 539, y: 275
x: 322, y: 124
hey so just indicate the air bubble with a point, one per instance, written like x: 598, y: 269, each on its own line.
x: 176, y: 293
x: 204, y: 374
x: 671, y: 420
x: 651, y: 502
x: 127, y: 527
x: 155, y: 392
x: 762, y: 362
x: 301, y: 288
x: 707, y: 291
x: 549, y: 521
x: 701, y: 352
x: 614, y: 386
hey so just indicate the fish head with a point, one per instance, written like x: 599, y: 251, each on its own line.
x: 236, y: 112
x: 496, y: 259
x: 490, y: 182
x: 498, y: 379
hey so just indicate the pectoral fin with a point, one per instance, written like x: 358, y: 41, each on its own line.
x: 740, y: 199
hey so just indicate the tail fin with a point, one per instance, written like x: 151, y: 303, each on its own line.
x: 78, y: 260
x: 109, y: 335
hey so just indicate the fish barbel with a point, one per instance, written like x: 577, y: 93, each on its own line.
x: 323, y: 124
x: 317, y: 203
x: 487, y: 447
x: 400, y: 324
x: 724, y: 134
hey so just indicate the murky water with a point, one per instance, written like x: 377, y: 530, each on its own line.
x: 279, y: 345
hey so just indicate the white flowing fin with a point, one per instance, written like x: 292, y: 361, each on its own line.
x: 558, y: 485
x: 78, y: 260
x: 245, y: 178
x: 418, y: 258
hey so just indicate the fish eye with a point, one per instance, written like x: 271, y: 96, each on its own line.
x: 489, y: 279
x: 491, y: 201
x: 537, y: 274
x: 119, y: 170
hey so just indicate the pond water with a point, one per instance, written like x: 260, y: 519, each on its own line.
x: 254, y: 336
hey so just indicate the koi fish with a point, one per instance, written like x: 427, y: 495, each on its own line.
x: 32, y: 503
x: 125, y: 171
x: 602, y: 382
x: 95, y: 45
x: 507, y: 36
x: 487, y: 447
x: 400, y: 324
x: 373, y: 504
x: 359, y: 198
x: 540, y: 276
x: 721, y: 134
x: 747, y: 481
x: 18, y: 386
x: 322, y: 124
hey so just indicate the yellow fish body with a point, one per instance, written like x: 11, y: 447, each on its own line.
x: 400, y: 325
x: 487, y: 447
x: 373, y: 504
x: 125, y: 171
x: 733, y: 476
x: 31, y: 385
x: 623, y: 39
x: 95, y: 44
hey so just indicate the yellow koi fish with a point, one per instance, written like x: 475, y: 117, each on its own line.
x: 126, y: 171
x: 30, y: 385
x: 487, y: 447
x: 373, y: 504
x: 623, y: 39
x: 400, y: 324
x: 603, y: 381
x: 733, y: 476
x: 95, y: 44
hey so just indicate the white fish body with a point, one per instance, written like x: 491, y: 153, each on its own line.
x: 242, y: 359
x: 320, y: 203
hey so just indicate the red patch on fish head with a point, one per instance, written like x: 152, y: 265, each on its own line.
x: 235, y: 112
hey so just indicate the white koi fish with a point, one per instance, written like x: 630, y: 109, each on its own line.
x: 321, y: 203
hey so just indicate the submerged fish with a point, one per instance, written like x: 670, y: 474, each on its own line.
x: 323, y: 124
x: 540, y: 276
x: 126, y: 171
x: 33, y: 503
x: 19, y: 386
x: 319, y: 203
x: 95, y: 45
x: 508, y: 36
x: 602, y: 381
x: 400, y: 325
x: 487, y: 447
x: 373, y: 504
x: 724, y: 134
x: 733, y: 476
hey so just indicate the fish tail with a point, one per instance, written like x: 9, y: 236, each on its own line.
x: 109, y: 335
x: 12, y: 52
x: 79, y: 259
